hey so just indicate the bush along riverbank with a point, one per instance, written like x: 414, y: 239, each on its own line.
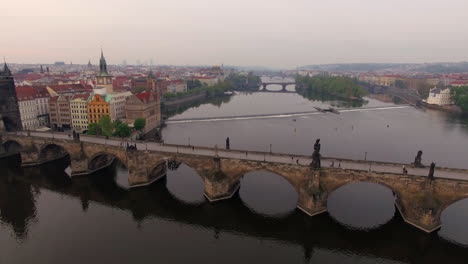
x: 341, y: 87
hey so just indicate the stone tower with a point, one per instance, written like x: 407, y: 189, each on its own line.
x: 9, y: 109
x: 103, y: 78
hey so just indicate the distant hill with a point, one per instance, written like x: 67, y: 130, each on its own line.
x: 352, y: 67
x: 452, y: 67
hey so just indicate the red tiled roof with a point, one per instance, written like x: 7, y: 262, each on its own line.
x: 73, y: 88
x: 25, y: 93
x: 84, y: 96
x: 146, y: 97
x: 460, y: 82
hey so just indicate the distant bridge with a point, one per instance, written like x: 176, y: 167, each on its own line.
x: 283, y: 84
x: 420, y: 200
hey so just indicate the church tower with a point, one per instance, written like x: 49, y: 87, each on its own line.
x: 103, y: 78
x: 9, y: 110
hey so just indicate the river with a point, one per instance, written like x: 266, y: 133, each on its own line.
x: 45, y: 217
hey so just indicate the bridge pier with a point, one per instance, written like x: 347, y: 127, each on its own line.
x: 79, y: 166
x: 312, y: 198
x: 29, y: 158
x: 284, y: 87
x: 264, y: 86
x: 218, y: 186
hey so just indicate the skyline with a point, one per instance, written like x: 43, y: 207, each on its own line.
x: 272, y: 34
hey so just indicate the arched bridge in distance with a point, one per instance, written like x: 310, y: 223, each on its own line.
x: 284, y: 84
x: 420, y: 200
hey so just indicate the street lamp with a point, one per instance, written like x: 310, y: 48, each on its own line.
x: 270, y: 148
x: 189, y: 141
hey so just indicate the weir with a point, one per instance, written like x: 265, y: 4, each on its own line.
x: 420, y: 199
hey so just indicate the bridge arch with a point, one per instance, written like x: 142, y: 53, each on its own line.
x: 268, y: 193
x: 453, y: 217
x: 52, y: 151
x: 363, y: 204
x: 101, y: 159
x: 291, y: 182
x: 184, y: 180
x: 12, y: 146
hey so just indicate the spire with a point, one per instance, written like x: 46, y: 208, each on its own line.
x: 103, y: 65
x: 6, y: 70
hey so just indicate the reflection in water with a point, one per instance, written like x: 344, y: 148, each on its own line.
x: 185, y: 184
x: 454, y: 223
x: 362, y: 205
x: 91, y: 220
x: 268, y: 194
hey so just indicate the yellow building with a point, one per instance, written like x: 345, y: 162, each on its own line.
x: 98, y: 107
x: 79, y: 111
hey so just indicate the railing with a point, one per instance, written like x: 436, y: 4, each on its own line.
x: 248, y: 155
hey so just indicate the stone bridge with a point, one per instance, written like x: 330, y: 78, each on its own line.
x: 283, y: 84
x: 420, y: 200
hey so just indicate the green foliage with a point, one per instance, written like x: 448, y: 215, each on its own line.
x: 249, y: 82
x: 193, y: 84
x: 344, y: 87
x: 122, y: 130
x: 234, y: 81
x: 94, y: 129
x: 139, y: 124
x: 400, y: 84
x: 106, y: 126
x: 460, y: 97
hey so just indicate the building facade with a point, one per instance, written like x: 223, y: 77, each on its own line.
x: 59, y: 107
x: 145, y: 105
x: 439, y: 96
x: 98, y: 107
x: 9, y: 109
x: 27, y: 103
x: 177, y: 86
x: 79, y: 112
x: 117, y: 104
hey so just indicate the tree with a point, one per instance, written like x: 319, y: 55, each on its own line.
x: 106, y: 126
x: 139, y: 124
x: 400, y: 84
x: 94, y: 129
x: 122, y: 130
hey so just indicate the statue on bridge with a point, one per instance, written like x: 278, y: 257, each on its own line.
x: 228, y: 143
x: 316, y: 155
x: 417, y: 160
x: 431, y: 171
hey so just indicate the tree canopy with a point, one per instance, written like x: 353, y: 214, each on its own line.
x: 139, y: 124
x: 460, y: 97
x: 335, y: 85
x: 105, y: 127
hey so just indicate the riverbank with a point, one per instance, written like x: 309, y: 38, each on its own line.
x: 176, y: 101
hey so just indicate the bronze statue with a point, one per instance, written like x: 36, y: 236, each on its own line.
x: 228, y: 145
x: 431, y: 171
x: 417, y: 160
x: 316, y: 155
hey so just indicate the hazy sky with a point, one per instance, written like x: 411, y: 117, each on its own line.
x: 278, y: 33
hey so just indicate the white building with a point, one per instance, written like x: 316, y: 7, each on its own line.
x: 117, y: 104
x: 439, y: 97
x: 28, y: 107
x: 177, y: 86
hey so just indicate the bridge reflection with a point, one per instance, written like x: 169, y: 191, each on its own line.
x: 394, y: 240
